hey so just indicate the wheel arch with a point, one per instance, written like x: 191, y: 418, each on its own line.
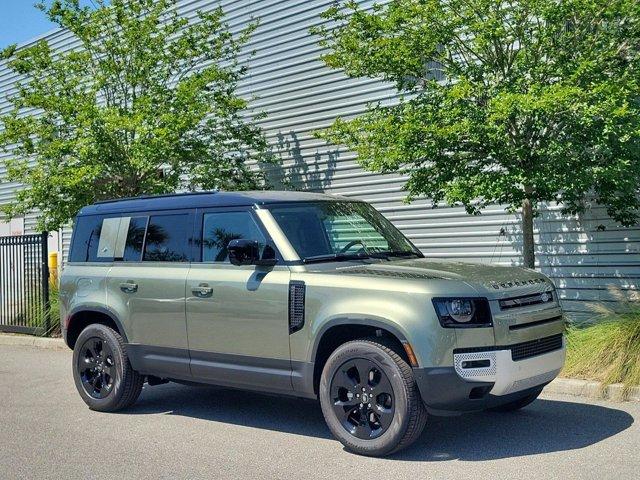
x: 81, y: 317
x: 338, y: 331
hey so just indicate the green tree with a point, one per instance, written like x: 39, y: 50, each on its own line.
x: 146, y: 104
x: 514, y: 102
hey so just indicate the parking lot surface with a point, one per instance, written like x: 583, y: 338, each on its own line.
x: 176, y: 432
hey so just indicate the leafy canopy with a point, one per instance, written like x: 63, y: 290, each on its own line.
x: 501, y: 101
x: 147, y: 104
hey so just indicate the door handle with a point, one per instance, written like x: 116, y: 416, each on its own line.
x: 129, y: 287
x: 202, y: 290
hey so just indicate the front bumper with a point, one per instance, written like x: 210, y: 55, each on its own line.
x: 498, y: 380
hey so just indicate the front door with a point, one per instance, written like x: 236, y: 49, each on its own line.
x: 237, y: 320
x: 147, y: 286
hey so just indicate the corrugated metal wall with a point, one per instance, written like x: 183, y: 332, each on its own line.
x: 584, y: 256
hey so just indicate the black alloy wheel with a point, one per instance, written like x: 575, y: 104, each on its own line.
x: 96, y: 367
x: 362, y: 398
x: 102, y: 371
x: 369, y: 397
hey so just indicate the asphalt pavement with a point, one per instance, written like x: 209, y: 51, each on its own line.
x: 177, y: 432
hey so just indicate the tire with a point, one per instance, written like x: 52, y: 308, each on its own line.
x: 102, y: 371
x: 517, y: 404
x: 396, y: 422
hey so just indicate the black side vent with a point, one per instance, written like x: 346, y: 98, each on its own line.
x: 296, y: 305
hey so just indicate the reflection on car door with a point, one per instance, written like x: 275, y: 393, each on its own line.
x: 237, y: 320
x: 148, y: 281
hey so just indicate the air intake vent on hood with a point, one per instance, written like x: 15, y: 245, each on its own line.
x: 387, y: 273
x: 296, y: 305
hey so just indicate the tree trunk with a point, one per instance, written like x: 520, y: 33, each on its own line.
x: 528, y: 246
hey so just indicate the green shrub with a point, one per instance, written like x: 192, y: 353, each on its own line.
x: 54, y: 311
x: 33, y: 313
x: 607, y: 349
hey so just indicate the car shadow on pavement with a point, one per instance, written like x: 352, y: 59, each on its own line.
x: 543, y: 427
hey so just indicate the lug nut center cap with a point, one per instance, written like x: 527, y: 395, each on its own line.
x: 365, y: 398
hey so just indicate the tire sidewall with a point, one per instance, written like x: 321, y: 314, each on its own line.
x: 106, y: 335
x: 388, y: 441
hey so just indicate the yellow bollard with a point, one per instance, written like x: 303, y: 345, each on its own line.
x: 53, y: 268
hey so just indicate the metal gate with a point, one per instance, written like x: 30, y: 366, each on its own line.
x: 24, y: 284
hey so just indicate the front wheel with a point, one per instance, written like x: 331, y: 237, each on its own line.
x: 370, y: 400
x: 102, y: 372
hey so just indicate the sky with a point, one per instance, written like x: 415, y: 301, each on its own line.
x: 21, y: 21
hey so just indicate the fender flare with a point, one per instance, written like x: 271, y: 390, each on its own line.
x: 97, y: 309
x: 365, y: 320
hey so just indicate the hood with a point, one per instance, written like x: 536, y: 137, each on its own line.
x: 493, y: 278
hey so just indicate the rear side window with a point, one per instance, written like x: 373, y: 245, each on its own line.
x: 86, y: 237
x: 166, y: 239
x: 222, y: 227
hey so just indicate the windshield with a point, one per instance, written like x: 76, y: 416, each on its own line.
x: 328, y: 231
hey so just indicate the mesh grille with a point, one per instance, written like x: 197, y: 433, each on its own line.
x: 524, y: 350
x: 296, y: 306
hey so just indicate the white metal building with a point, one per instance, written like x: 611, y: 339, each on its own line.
x: 584, y: 256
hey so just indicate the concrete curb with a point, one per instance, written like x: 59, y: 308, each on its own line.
x: 591, y: 389
x: 29, y: 341
x: 560, y: 386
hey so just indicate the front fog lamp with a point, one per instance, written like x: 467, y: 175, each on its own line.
x: 463, y: 312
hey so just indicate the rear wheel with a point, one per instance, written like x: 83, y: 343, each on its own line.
x: 370, y: 400
x: 517, y: 404
x: 102, y: 372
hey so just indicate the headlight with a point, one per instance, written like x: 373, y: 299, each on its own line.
x: 463, y: 312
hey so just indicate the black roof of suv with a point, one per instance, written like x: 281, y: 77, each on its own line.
x: 202, y: 200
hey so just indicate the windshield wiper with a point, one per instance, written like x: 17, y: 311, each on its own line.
x: 390, y: 253
x: 335, y: 257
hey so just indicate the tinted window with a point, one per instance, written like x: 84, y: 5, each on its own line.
x: 220, y: 228
x: 135, y: 239
x: 166, y: 239
x: 86, y: 237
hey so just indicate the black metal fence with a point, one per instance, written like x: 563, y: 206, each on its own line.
x: 24, y: 284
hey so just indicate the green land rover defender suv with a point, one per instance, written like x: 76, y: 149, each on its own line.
x: 300, y: 294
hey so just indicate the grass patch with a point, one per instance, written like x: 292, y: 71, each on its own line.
x: 607, y: 351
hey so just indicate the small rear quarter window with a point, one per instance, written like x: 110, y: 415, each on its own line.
x: 86, y: 237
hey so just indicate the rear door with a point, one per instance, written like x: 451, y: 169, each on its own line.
x: 147, y: 286
x: 237, y: 316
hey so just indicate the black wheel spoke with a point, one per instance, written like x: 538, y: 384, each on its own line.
x: 384, y: 418
x: 96, y: 367
x: 88, y: 363
x: 362, y: 431
x: 383, y: 386
x: 344, y: 409
x: 95, y: 383
x: 363, y: 367
x: 362, y: 398
x: 346, y: 380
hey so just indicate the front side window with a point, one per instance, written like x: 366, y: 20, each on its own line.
x: 220, y: 228
x: 166, y: 239
x: 340, y: 230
